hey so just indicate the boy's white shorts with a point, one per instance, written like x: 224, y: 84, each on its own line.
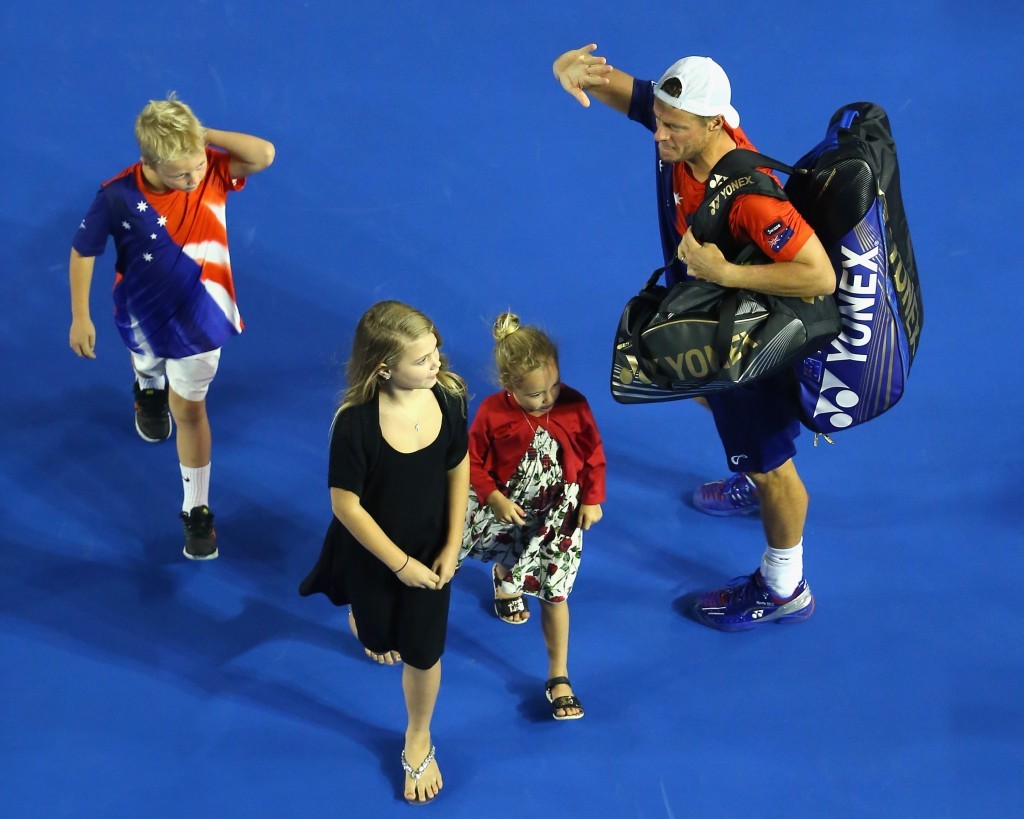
x: 189, y: 377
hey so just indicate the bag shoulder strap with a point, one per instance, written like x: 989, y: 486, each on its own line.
x: 741, y: 160
x: 735, y: 174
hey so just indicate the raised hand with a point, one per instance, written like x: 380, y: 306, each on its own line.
x: 580, y: 69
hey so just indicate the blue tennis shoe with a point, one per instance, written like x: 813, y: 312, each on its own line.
x: 736, y: 495
x: 748, y: 602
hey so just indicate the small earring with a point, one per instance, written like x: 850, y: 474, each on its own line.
x: 385, y: 376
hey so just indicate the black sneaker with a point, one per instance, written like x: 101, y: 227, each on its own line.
x: 152, y: 415
x: 200, y: 537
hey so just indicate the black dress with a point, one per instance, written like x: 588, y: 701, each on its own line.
x: 407, y: 495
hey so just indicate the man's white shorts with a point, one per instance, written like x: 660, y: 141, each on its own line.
x: 189, y: 377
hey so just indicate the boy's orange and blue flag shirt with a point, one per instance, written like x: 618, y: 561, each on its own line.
x: 173, y: 291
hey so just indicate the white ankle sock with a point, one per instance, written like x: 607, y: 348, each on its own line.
x: 782, y: 569
x: 196, y: 483
x: 151, y: 383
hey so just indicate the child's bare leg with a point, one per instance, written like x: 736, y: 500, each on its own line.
x: 193, y: 439
x: 420, y: 689
x: 500, y: 572
x: 387, y: 658
x: 554, y: 623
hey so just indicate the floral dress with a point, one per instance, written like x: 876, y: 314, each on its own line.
x: 543, y: 555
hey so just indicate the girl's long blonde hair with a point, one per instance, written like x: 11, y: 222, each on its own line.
x: 382, y: 334
x: 519, y: 349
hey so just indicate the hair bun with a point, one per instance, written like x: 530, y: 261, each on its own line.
x: 505, y: 325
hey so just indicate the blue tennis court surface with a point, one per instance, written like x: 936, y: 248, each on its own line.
x: 426, y: 153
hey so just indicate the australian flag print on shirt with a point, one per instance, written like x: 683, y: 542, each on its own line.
x: 173, y: 292
x: 779, y: 240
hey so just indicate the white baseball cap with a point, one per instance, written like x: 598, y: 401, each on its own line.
x: 706, y: 90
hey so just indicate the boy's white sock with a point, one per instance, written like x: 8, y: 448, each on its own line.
x: 156, y: 383
x: 783, y: 569
x: 196, y: 483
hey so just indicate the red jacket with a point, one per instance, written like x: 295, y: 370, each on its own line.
x: 501, y: 434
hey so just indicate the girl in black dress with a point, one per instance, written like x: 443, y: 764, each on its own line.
x: 399, y: 481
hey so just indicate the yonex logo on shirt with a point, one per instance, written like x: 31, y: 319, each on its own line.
x: 729, y: 190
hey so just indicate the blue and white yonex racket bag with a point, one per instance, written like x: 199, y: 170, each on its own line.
x: 848, y: 188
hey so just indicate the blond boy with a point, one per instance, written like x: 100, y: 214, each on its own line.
x: 174, y: 299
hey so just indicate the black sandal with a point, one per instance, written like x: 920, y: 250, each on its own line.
x: 505, y: 607
x: 563, y: 703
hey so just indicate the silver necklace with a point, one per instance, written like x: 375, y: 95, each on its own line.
x: 529, y: 423
x: 415, y: 424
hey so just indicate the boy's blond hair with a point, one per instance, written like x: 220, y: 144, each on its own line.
x: 167, y: 131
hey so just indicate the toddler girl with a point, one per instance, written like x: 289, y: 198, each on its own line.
x: 537, y: 470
